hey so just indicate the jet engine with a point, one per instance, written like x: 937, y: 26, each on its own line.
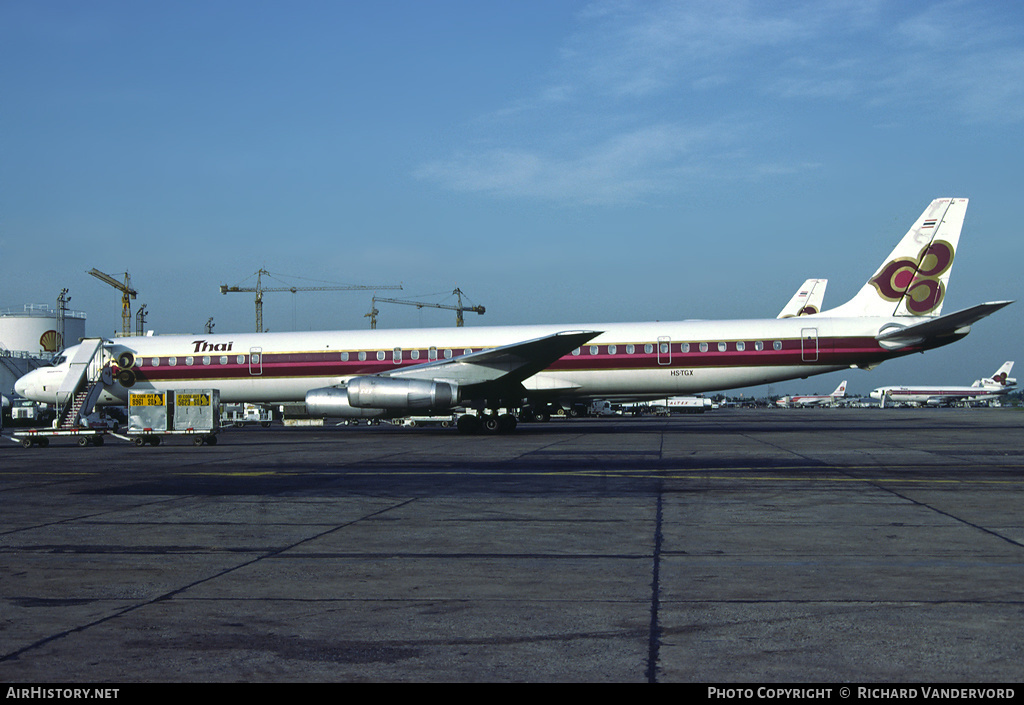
x: 125, y: 374
x: 401, y: 394
x: 332, y: 402
x: 367, y: 397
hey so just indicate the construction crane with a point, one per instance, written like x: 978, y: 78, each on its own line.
x: 259, y: 290
x: 459, y: 320
x: 127, y: 294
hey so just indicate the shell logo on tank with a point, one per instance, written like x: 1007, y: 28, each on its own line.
x: 916, y: 279
x: 50, y: 341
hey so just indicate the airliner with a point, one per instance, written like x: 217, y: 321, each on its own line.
x: 814, y: 399
x: 807, y: 300
x: 488, y: 372
x: 997, y: 385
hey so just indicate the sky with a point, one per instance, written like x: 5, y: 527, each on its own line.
x: 559, y: 161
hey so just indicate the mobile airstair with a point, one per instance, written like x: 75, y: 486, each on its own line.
x: 76, y: 399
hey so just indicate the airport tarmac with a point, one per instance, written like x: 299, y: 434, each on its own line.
x: 796, y: 546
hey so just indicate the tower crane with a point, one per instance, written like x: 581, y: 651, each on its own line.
x: 459, y: 320
x: 127, y: 294
x: 259, y: 290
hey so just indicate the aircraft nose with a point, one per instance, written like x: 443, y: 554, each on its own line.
x: 24, y: 385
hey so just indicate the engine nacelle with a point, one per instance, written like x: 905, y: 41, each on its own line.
x: 332, y: 402
x: 401, y: 394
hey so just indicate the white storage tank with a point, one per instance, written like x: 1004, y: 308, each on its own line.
x: 32, y: 329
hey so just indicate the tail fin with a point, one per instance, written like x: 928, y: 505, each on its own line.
x: 912, y: 280
x: 807, y: 299
x: 1002, y: 376
x: 840, y: 390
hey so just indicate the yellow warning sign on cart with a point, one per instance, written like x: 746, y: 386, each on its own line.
x: 192, y: 400
x: 146, y: 399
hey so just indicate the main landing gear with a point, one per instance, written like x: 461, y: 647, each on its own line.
x: 490, y: 423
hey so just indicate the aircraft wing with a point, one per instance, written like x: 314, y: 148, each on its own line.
x: 958, y: 323
x: 507, y: 364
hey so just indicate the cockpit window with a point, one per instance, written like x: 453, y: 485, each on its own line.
x: 58, y: 359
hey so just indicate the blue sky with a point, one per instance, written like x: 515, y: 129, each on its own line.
x: 559, y: 161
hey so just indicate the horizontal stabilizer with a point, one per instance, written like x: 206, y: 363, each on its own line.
x: 958, y: 323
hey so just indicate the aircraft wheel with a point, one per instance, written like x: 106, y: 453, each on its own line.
x: 468, y: 424
x: 491, y: 423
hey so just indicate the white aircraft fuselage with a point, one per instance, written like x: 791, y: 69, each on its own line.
x: 391, y: 372
x: 634, y: 360
x: 936, y: 395
x: 997, y: 385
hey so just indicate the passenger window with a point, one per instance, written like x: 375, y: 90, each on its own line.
x: 777, y: 345
x: 722, y: 347
x: 703, y: 347
x: 741, y: 346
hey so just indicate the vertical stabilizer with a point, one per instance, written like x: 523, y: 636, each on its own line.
x: 913, y: 278
x: 1002, y: 376
x: 840, y: 390
x: 807, y: 299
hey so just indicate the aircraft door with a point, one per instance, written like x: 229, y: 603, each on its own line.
x: 255, y: 361
x: 809, y: 344
x: 664, y: 350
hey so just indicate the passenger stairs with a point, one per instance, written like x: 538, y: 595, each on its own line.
x: 82, y: 386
